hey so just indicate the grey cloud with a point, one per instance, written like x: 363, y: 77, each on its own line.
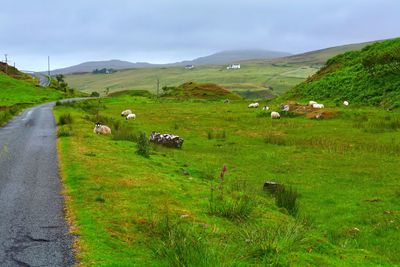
x: 160, y: 30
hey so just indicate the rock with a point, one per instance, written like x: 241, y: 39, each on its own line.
x: 271, y: 186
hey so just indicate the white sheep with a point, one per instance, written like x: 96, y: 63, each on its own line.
x: 318, y: 105
x: 345, y: 103
x: 310, y: 103
x: 126, y: 112
x: 131, y: 116
x: 265, y: 108
x: 275, y: 115
x: 101, y: 129
x: 253, y: 105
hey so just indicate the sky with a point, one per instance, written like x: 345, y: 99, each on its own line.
x: 165, y: 31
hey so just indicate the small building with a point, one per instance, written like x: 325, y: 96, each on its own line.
x: 189, y: 67
x: 233, y: 67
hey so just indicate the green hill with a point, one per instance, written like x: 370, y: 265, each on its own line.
x: 192, y: 90
x: 370, y: 76
x: 18, y: 90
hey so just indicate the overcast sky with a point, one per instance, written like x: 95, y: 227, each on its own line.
x: 161, y: 31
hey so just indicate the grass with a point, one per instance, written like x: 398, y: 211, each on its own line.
x: 346, y: 176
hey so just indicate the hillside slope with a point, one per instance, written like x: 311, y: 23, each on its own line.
x: 109, y: 64
x: 367, y: 77
x: 207, y: 91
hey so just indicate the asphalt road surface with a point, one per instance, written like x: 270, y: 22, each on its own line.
x: 43, y: 79
x: 33, y: 231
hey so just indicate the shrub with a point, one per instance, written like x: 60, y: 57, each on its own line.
x: 287, y: 198
x: 94, y: 94
x: 143, y: 145
x: 65, y: 118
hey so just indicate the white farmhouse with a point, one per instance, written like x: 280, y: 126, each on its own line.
x: 233, y: 67
x: 189, y: 67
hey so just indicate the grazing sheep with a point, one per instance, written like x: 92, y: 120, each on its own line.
x: 275, y: 115
x: 131, y: 116
x: 253, y: 105
x: 346, y: 103
x: 126, y: 112
x: 101, y: 129
x: 265, y: 108
x: 318, y: 105
x: 310, y: 103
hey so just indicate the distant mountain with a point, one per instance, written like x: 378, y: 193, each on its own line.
x: 225, y: 57
x: 233, y: 56
x: 109, y: 64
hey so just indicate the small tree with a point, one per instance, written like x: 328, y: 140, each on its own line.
x: 143, y: 145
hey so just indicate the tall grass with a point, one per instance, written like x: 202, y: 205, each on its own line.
x: 236, y: 207
x: 286, y: 197
x: 181, y: 243
x: 65, y: 118
x: 268, y: 243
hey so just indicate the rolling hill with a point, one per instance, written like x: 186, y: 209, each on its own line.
x: 224, y: 57
x: 233, y: 56
x: 109, y: 64
x: 370, y: 76
x: 256, y: 79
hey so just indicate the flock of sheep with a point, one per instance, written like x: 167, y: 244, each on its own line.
x: 103, y: 129
x: 276, y: 115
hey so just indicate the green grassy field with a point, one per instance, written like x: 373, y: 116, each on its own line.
x: 171, y: 209
x: 18, y: 94
x: 252, y: 76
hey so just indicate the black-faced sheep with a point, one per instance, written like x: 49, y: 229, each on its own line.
x: 101, y: 129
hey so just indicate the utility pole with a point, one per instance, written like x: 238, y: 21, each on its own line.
x: 48, y: 66
x: 5, y: 55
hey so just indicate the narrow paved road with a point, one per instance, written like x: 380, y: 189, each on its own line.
x: 33, y: 231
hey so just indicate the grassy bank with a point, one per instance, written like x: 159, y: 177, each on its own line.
x: 15, y: 95
x: 174, y: 208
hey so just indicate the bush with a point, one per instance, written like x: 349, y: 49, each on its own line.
x: 287, y: 198
x: 65, y: 118
x: 94, y: 94
x: 143, y: 145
